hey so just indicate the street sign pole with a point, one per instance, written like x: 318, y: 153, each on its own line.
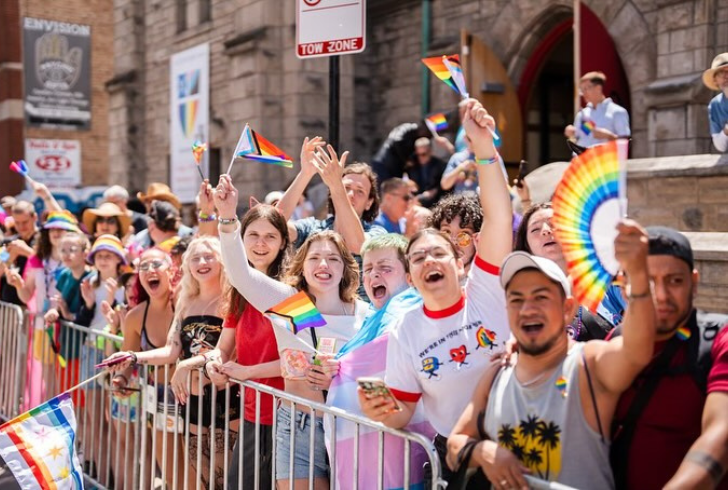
x: 334, y: 102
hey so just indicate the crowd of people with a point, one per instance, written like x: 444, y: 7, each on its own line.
x: 429, y: 280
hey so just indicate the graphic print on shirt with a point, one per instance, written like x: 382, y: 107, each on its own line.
x: 458, y: 356
x: 197, y: 335
x: 486, y: 338
x: 430, y: 366
x: 433, y: 355
x: 536, y: 443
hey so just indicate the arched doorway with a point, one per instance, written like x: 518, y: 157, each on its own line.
x: 546, y: 86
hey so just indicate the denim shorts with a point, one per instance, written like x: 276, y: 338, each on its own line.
x: 90, y: 357
x: 301, y: 455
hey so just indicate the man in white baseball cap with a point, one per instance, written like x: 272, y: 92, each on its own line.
x: 716, y: 78
x: 556, y: 402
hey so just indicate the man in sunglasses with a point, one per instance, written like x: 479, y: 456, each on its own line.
x: 396, y: 199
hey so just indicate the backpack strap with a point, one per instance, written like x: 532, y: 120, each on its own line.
x: 623, y: 431
x: 593, y: 397
x: 709, y: 325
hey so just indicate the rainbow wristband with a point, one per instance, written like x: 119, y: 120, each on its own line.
x: 488, y: 161
x: 206, y: 218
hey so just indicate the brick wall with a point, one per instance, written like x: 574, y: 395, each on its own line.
x: 94, y: 142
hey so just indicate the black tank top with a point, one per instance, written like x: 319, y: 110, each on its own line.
x: 200, y: 334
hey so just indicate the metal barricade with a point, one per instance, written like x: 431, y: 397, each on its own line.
x: 13, y: 348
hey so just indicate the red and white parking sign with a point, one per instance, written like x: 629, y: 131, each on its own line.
x: 330, y: 27
x: 55, y: 163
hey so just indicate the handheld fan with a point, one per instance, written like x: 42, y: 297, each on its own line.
x: 198, y: 148
x: 588, y: 204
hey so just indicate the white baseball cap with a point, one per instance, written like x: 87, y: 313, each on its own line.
x: 518, y: 261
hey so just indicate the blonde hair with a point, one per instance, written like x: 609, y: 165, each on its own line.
x: 189, y: 288
x: 350, y: 278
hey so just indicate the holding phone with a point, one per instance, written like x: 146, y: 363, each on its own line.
x: 113, y: 362
x: 376, y: 387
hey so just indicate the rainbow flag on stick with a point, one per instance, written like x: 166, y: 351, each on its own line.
x: 436, y: 123
x: 447, y: 68
x: 253, y: 146
x: 291, y: 316
x: 587, y: 127
x: 39, y: 446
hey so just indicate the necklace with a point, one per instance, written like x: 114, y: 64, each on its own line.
x: 532, y: 381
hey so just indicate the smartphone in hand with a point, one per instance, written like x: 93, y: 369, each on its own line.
x: 376, y: 387
x: 113, y: 362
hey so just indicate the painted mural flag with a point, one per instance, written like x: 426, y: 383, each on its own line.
x: 39, y: 446
x: 588, y: 204
x: 436, y: 123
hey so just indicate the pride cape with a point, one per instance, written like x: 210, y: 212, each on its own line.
x: 366, y: 355
x: 39, y: 446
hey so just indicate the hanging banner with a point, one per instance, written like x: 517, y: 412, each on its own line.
x: 57, y: 73
x: 55, y: 163
x: 189, y: 87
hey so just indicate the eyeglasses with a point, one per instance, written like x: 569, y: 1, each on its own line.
x: 70, y: 250
x: 155, y: 264
x: 438, y: 253
x: 109, y: 220
x: 406, y: 197
x: 207, y: 258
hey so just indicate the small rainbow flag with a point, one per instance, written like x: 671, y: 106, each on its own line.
x: 587, y: 127
x: 436, y: 122
x: 299, y: 312
x: 683, y: 333
x: 253, y: 146
x: 198, y: 148
x: 561, y: 385
x: 39, y: 446
x: 448, y: 69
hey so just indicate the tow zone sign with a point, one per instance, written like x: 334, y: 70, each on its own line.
x: 330, y: 27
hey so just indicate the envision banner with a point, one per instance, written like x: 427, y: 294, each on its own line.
x: 57, y: 72
x: 188, y: 118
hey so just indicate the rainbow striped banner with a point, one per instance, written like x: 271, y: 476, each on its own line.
x: 39, y: 446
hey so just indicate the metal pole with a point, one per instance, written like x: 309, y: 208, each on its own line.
x: 334, y: 102
x: 577, y: 55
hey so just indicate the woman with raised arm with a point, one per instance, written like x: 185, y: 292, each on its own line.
x: 327, y: 272
x: 248, y: 333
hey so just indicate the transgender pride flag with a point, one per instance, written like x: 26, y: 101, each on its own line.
x: 366, y: 355
x: 39, y: 446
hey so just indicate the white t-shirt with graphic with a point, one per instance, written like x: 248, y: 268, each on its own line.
x: 440, y: 356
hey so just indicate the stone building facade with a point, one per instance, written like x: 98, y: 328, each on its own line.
x: 13, y: 130
x: 660, y: 48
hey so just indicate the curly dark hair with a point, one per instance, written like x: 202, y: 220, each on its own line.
x: 466, y: 206
x: 365, y: 170
x: 521, y: 241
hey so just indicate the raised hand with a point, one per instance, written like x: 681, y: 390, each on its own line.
x: 631, y: 247
x: 308, y: 149
x: 226, y: 198
x: 330, y: 167
x: 87, y: 293
x: 205, y: 199
x: 479, y: 126
x: 110, y: 286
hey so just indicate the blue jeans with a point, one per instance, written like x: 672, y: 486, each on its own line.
x: 301, y: 454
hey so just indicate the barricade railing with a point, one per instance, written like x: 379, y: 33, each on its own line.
x: 141, y: 438
x: 13, y: 348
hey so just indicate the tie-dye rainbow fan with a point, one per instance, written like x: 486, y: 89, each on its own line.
x: 588, y: 204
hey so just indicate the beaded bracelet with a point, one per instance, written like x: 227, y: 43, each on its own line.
x: 488, y: 161
x: 206, y: 218
x: 227, y: 221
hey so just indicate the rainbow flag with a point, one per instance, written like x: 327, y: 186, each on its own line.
x: 299, y: 312
x: 39, y: 446
x: 587, y: 127
x: 448, y: 69
x: 254, y: 147
x: 436, y: 122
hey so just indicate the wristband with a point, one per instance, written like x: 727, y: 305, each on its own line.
x: 204, y: 368
x: 488, y: 161
x: 227, y: 221
x: 134, y: 359
x: 644, y: 295
x: 206, y: 218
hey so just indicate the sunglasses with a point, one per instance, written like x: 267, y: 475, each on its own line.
x: 109, y: 220
x: 406, y: 197
x: 152, y: 264
x: 463, y: 239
